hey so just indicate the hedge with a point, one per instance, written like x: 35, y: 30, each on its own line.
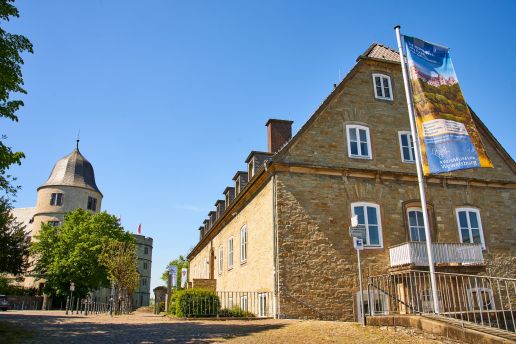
x: 195, y: 303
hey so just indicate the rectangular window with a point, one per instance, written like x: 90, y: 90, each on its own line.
x: 262, y: 310
x: 144, y: 265
x: 205, y: 273
x: 406, y: 147
x: 92, y: 203
x: 221, y: 260
x: 54, y: 223
x: 146, y: 250
x: 243, y: 244
x: 56, y: 199
x: 416, y: 224
x: 369, y: 216
x: 230, y: 253
x: 243, y: 303
x: 470, y: 226
x: 359, y: 143
x: 144, y: 281
x: 382, y: 87
x: 480, y: 299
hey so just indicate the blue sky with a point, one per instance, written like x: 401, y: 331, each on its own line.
x: 170, y: 96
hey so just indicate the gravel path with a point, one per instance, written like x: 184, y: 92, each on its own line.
x: 56, y: 327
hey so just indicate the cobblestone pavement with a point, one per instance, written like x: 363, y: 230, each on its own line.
x: 56, y: 327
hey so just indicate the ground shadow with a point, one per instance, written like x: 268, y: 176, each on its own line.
x: 54, y: 329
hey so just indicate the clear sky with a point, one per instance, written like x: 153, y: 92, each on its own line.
x: 171, y: 96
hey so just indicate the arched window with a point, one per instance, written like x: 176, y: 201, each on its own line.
x: 369, y: 216
x: 359, y: 141
x: 382, y: 86
x: 416, y: 224
x: 470, y: 226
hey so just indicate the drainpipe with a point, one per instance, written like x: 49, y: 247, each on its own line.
x: 275, y: 271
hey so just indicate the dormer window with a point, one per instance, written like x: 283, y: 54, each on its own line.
x: 382, y: 87
x: 251, y: 169
x: 56, y: 199
x: 92, y: 203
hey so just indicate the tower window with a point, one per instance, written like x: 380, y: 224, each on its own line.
x: 56, y: 199
x: 146, y: 250
x: 54, y: 223
x: 92, y: 203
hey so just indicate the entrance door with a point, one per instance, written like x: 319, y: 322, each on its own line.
x: 212, y: 264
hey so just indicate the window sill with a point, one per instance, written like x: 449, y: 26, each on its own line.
x: 373, y: 247
x: 382, y: 98
x: 408, y: 161
x: 243, y: 262
x: 360, y: 157
x: 230, y: 268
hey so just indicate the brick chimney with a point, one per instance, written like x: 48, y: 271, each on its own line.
x: 279, y: 132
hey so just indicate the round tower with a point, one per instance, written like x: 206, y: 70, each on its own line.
x: 71, y: 185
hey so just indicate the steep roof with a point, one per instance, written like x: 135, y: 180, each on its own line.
x: 381, y: 52
x: 73, y: 170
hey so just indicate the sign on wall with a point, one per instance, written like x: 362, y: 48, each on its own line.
x: 172, y: 270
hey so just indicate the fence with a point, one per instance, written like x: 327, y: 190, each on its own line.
x: 230, y: 304
x: 482, y: 300
x: 90, y: 306
x: 17, y: 302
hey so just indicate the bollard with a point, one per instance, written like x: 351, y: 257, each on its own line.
x: 67, y: 304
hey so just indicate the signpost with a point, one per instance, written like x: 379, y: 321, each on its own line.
x: 70, y: 303
x: 358, y: 233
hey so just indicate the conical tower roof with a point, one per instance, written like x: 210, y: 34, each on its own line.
x: 73, y: 170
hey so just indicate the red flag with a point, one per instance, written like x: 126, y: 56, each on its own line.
x: 139, y: 229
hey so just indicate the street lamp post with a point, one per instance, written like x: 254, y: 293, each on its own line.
x: 70, y: 303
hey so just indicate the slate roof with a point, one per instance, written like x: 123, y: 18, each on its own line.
x: 381, y: 52
x: 73, y: 170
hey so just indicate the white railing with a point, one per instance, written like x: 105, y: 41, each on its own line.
x: 414, y: 253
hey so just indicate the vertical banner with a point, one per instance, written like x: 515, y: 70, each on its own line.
x: 448, y: 136
x: 173, y: 275
x: 184, y: 275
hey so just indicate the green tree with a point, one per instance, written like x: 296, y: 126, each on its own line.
x: 12, y: 47
x: 72, y: 251
x: 14, y: 245
x: 119, y: 259
x: 180, y: 262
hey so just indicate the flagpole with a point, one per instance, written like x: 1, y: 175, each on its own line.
x: 420, y: 178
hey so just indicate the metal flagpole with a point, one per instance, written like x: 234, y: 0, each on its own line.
x: 418, y: 157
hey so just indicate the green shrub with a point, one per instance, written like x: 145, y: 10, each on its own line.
x: 8, y: 289
x: 235, y: 312
x: 195, y: 303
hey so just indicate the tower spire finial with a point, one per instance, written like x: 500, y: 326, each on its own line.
x: 78, y: 139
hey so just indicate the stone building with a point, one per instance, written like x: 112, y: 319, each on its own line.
x: 284, y: 232
x: 71, y: 185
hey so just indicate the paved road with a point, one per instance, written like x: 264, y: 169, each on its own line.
x: 56, y: 327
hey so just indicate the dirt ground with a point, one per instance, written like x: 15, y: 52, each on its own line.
x: 56, y: 327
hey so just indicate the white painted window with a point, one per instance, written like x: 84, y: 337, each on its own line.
x: 369, y: 217
x: 243, y: 303
x: 480, y: 299
x: 406, y: 147
x: 230, y: 253
x: 205, y: 273
x: 221, y: 259
x: 359, y: 141
x: 56, y: 199
x: 416, y: 224
x: 230, y: 301
x: 262, y: 304
x: 470, y: 226
x: 382, y: 86
x: 376, y: 304
x: 243, y: 244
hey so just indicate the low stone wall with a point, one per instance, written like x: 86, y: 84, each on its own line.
x: 439, y: 328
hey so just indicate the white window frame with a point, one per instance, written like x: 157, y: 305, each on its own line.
x: 479, y: 292
x: 408, y: 222
x: 480, y: 229
x: 230, y: 253
x: 382, y: 78
x: 244, y: 305
x: 358, y: 127
x: 221, y: 259
x: 262, y: 305
x: 243, y: 244
x: 378, y: 215
x: 411, y: 151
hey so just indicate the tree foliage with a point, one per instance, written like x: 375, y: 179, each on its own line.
x: 180, y: 262
x: 14, y: 245
x: 119, y: 259
x: 12, y: 47
x: 72, y: 251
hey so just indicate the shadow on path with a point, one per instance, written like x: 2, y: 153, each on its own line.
x: 77, y: 329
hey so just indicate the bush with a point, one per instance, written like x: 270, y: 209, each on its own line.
x: 235, y: 312
x: 195, y: 303
x: 9, y: 289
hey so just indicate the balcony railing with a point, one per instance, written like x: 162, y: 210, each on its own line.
x: 414, y: 253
